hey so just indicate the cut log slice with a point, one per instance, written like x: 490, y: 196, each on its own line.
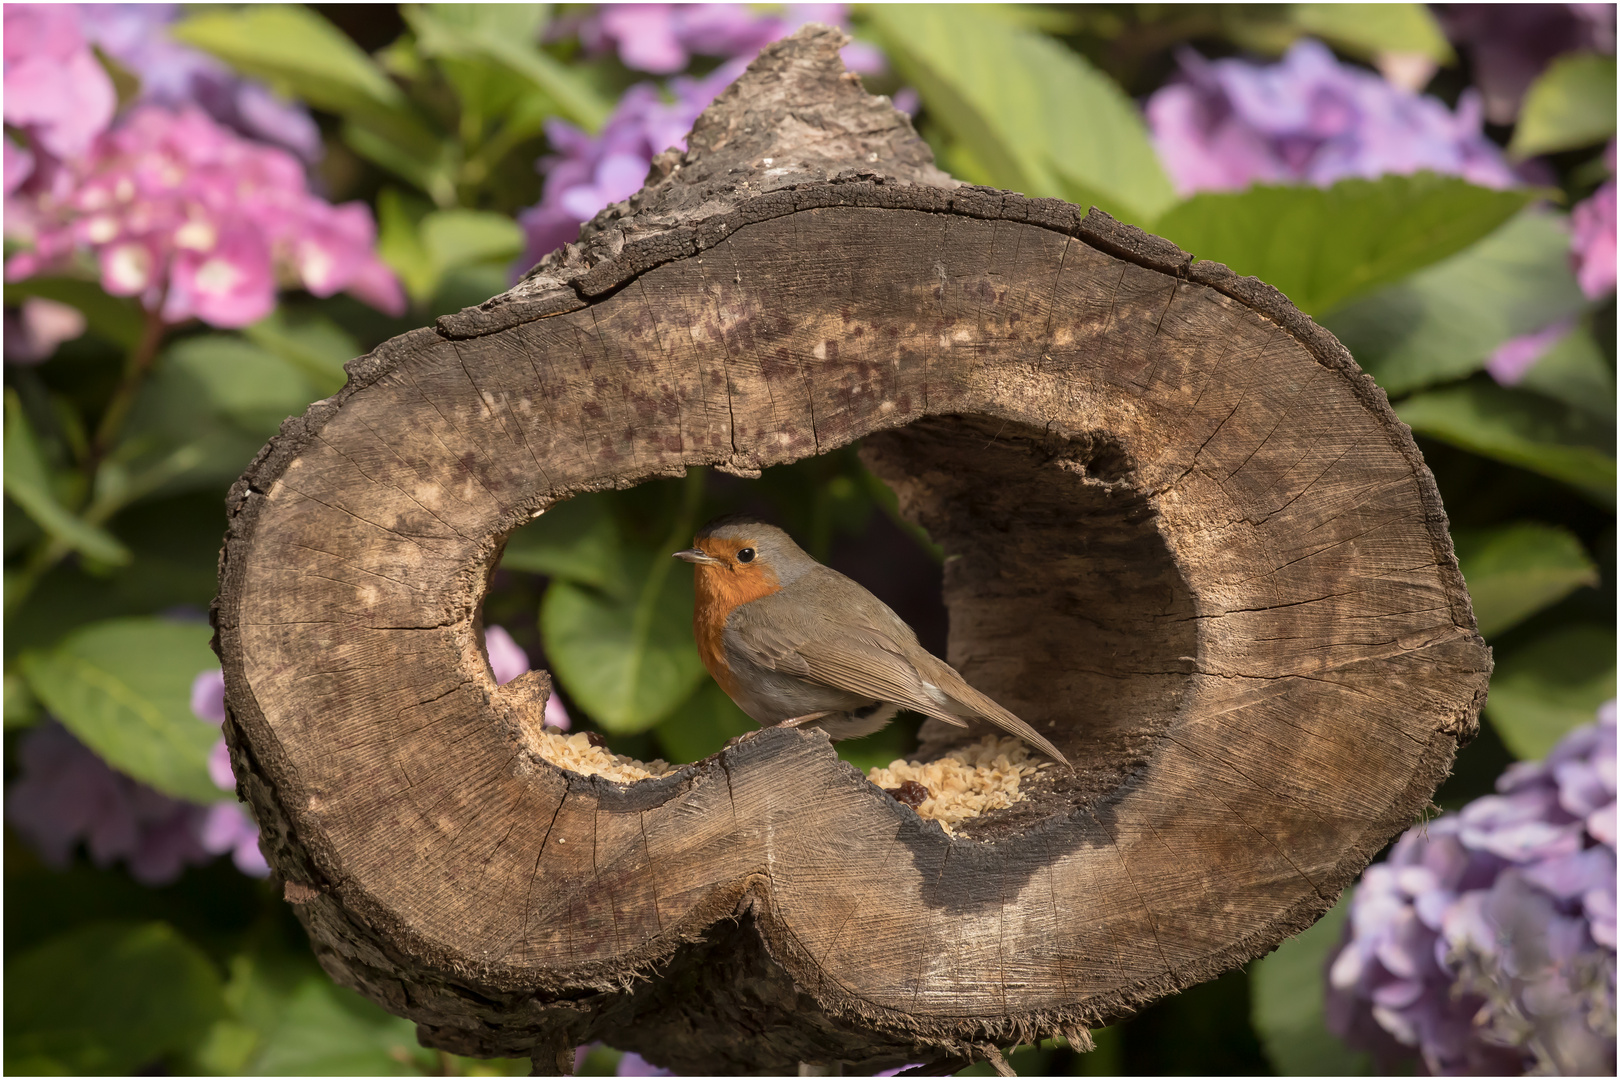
x: 1185, y: 538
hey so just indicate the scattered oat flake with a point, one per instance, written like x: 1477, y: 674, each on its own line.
x: 577, y: 753
x: 965, y: 783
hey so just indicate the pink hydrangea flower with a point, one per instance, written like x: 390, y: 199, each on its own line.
x: 39, y: 326
x: 173, y: 74
x: 200, y: 223
x: 55, y: 89
x: 1592, y: 243
x: 1309, y: 119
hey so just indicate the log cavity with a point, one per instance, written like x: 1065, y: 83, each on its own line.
x: 1065, y: 602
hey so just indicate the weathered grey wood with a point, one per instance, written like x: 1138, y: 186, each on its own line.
x: 1186, y: 537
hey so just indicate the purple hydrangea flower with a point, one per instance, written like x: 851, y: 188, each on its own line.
x: 586, y: 173
x: 633, y: 1064
x: 1514, y: 358
x: 66, y: 795
x: 1486, y: 941
x: 199, y: 222
x: 663, y: 38
x: 589, y: 173
x: 137, y: 37
x: 1227, y: 124
x: 506, y: 657
x: 508, y: 660
x: 1508, y: 45
x: 1592, y: 240
x: 227, y: 826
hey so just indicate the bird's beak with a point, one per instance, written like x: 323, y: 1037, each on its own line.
x: 693, y: 555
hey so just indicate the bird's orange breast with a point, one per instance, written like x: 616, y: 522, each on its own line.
x: 720, y: 589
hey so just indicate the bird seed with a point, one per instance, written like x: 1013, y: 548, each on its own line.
x: 965, y: 783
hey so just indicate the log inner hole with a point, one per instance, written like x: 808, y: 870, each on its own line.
x: 1065, y: 602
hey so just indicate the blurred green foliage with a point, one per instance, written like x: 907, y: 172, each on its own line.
x: 115, y: 475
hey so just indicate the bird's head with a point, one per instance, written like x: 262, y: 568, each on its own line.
x: 747, y: 553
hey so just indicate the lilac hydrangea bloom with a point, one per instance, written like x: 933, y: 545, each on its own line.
x: 1508, y: 45
x: 1592, y: 243
x: 199, y: 222
x: 508, y: 660
x: 663, y: 38
x: 227, y: 826
x: 633, y: 1064
x: 586, y: 173
x: 66, y: 795
x: 137, y: 37
x: 1514, y: 358
x: 589, y: 173
x: 1227, y: 124
x: 1486, y: 941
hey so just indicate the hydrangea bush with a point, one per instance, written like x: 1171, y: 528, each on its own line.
x: 209, y: 210
x: 1486, y: 940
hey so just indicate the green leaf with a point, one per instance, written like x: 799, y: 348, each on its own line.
x: 245, y: 382
x: 1287, y: 1004
x: 117, y: 319
x: 181, y: 437
x: 1575, y: 372
x: 1032, y: 112
x: 304, y: 56
x: 123, y: 687
x: 628, y: 661
x: 577, y: 541
x: 1541, y: 692
x: 1444, y: 321
x: 457, y: 238
x: 431, y: 168
x: 702, y: 725
x: 22, y: 708
x: 505, y: 34
x: 28, y: 484
x: 1323, y: 246
x: 1570, y: 106
x: 310, y: 342
x: 1514, y: 571
x: 322, y: 1029
x: 1520, y: 429
x: 108, y: 998
x: 1368, y: 30
x: 298, y: 52
x: 423, y: 245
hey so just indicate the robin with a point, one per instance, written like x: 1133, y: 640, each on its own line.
x: 796, y: 643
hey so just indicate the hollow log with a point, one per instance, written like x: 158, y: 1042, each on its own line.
x: 1185, y: 537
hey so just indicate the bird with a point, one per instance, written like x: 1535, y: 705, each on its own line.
x: 797, y: 644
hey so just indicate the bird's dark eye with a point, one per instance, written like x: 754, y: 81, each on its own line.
x: 745, y: 555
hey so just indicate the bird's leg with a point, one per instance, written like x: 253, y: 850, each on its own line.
x: 808, y: 718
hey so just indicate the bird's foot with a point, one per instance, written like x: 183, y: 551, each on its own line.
x: 808, y: 718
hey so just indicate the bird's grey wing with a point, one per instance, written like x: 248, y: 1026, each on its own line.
x: 778, y: 634
x: 868, y: 650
